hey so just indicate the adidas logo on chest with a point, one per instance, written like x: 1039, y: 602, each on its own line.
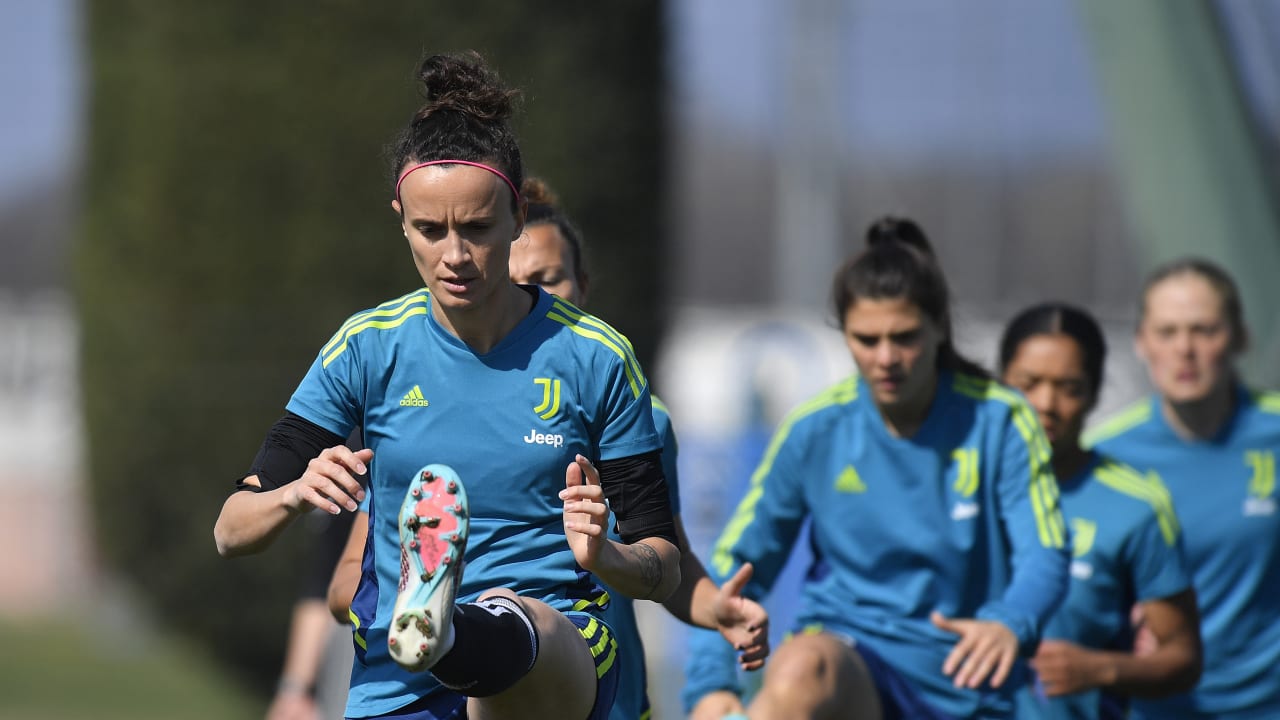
x: 414, y: 398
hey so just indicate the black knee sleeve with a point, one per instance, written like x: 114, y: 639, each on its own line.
x: 494, y: 645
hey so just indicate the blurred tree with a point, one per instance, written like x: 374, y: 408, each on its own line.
x: 237, y: 212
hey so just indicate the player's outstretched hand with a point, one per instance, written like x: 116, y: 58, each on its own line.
x: 586, y: 516
x: 742, y: 621
x: 986, y: 650
x: 329, y: 482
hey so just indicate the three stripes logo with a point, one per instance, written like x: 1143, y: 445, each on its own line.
x: 414, y: 398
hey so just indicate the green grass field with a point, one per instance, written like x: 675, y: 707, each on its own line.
x: 52, y: 670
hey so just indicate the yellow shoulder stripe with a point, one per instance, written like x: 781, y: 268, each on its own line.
x: 722, y: 556
x: 386, y: 309
x: 1126, y: 419
x: 1268, y: 402
x: 595, y: 329
x: 410, y: 309
x: 1042, y: 487
x: 658, y: 404
x: 1126, y: 480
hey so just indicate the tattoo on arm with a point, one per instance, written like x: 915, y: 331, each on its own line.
x: 650, y: 566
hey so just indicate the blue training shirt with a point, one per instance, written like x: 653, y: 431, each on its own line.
x: 1127, y: 548
x: 630, y: 702
x: 509, y: 422
x: 1224, y: 491
x: 961, y: 518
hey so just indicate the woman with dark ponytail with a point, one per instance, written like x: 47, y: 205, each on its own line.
x: 1126, y: 541
x: 940, y: 549
x: 497, y: 419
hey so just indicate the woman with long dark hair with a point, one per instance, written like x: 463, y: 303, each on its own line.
x: 939, y: 546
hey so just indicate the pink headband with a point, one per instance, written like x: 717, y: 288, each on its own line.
x: 482, y: 166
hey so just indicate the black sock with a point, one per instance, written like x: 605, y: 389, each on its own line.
x: 494, y: 645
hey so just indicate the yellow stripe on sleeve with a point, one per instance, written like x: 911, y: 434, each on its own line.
x: 634, y: 377
x: 581, y: 318
x: 658, y: 404
x: 1042, y: 488
x: 1147, y: 488
x: 722, y: 556
x: 374, y: 324
x: 1267, y: 402
x: 1126, y: 419
x: 386, y: 309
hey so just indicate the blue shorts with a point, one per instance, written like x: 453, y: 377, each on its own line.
x: 898, y: 699
x: 449, y: 705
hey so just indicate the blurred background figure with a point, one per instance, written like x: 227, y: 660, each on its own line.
x: 146, y: 151
x: 933, y: 510
x: 1126, y: 542
x: 1212, y: 440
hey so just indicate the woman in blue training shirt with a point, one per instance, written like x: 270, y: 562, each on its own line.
x: 1126, y: 542
x: 465, y: 467
x: 939, y: 546
x: 549, y: 254
x: 1213, y: 442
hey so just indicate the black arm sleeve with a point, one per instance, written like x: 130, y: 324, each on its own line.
x: 637, y: 494
x: 290, y: 444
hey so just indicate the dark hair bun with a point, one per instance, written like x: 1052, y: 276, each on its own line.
x: 890, y: 230
x: 537, y: 192
x: 465, y: 84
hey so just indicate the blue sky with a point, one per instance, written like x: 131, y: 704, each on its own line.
x: 40, y: 92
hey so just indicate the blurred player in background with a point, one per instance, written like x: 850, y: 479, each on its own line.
x: 1126, y: 542
x: 1213, y: 442
x: 938, y: 542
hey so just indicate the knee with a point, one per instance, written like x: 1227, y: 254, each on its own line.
x: 821, y: 675
x: 804, y: 660
x: 500, y: 592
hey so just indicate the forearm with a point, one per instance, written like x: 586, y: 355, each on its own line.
x: 648, y: 569
x: 308, y: 636
x: 250, y: 521
x: 346, y: 575
x: 1167, y: 671
x: 1037, y: 589
x: 693, y: 600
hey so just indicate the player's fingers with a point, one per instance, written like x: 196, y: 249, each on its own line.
x: 331, y: 468
x: 585, y: 527
x: 1003, y: 668
x: 310, y: 495
x: 593, y: 493
x: 983, y: 659
x: 942, y: 622
x: 957, y: 656
x: 975, y: 668
x: 757, y: 618
x: 753, y: 658
x: 734, y: 585
x: 590, y: 475
x: 572, y: 476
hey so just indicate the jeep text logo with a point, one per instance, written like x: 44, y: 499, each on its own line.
x: 536, y: 438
